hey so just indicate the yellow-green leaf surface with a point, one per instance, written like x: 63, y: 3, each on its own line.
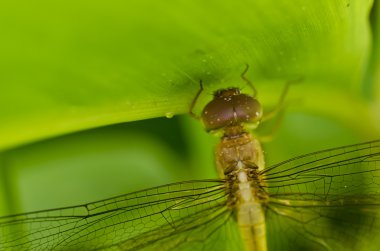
x: 71, y: 65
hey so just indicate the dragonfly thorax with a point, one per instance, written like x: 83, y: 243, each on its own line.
x: 239, y: 152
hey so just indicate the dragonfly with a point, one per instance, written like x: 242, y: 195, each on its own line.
x: 326, y: 200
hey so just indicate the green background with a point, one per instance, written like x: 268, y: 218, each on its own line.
x: 87, y: 88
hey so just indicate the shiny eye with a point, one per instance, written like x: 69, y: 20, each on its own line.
x: 230, y: 107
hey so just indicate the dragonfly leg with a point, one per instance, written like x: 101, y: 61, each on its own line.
x: 280, y: 106
x: 247, y: 81
x: 268, y: 137
x: 277, y: 112
x: 195, y: 99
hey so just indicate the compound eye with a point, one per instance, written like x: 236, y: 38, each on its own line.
x: 217, y: 114
x: 248, y: 109
x: 231, y: 110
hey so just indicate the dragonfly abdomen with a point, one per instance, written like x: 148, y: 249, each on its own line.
x: 249, y: 212
x: 239, y: 157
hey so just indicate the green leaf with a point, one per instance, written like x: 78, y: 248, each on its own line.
x: 92, y: 165
x: 373, y: 72
x: 69, y: 65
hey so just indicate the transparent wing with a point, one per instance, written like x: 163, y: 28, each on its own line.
x: 325, y: 200
x: 173, y: 216
x: 211, y: 233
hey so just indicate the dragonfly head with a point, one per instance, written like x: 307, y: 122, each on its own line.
x: 230, y: 107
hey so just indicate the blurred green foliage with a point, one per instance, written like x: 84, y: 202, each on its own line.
x: 67, y: 67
